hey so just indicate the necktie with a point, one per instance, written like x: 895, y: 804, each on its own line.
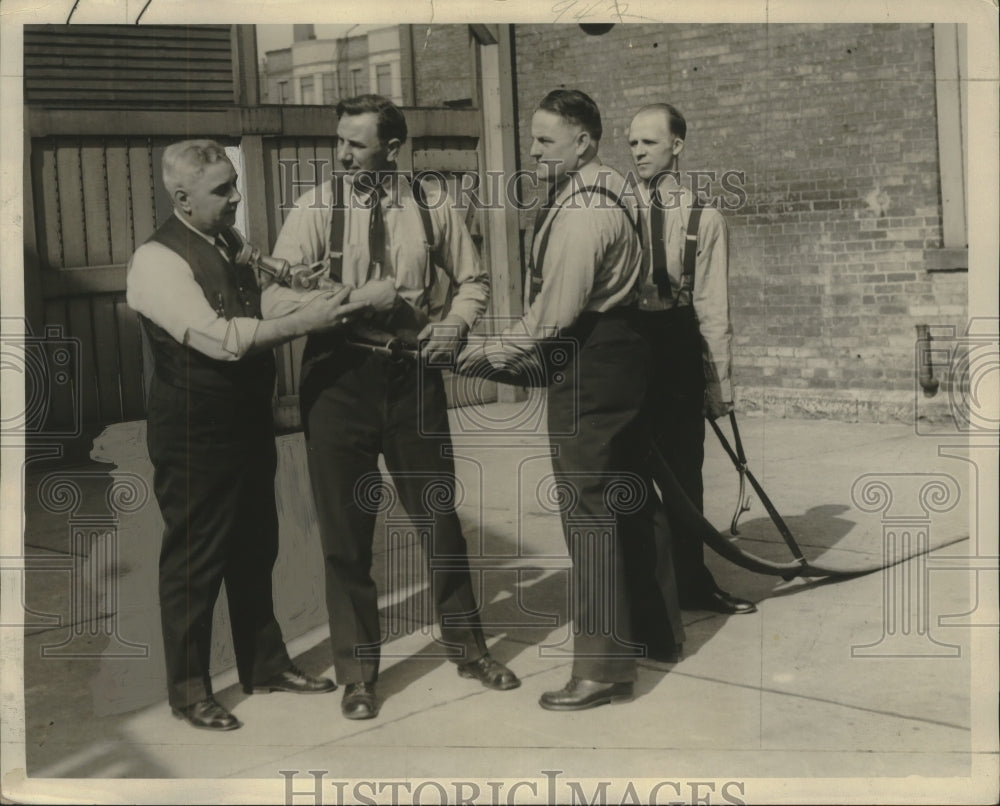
x: 657, y: 247
x: 376, y: 234
x: 223, y: 246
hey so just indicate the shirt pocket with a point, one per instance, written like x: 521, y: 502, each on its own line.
x: 409, y: 263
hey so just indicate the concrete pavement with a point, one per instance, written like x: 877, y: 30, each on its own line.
x: 866, y: 681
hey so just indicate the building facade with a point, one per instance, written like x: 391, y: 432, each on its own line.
x: 315, y: 71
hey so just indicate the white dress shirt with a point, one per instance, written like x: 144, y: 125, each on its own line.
x: 305, y: 238
x: 592, y: 261
x: 710, y: 294
x: 161, y: 286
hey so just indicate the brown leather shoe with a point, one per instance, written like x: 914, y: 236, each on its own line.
x: 359, y: 701
x: 579, y: 694
x: 293, y: 680
x: 207, y: 714
x: 491, y: 673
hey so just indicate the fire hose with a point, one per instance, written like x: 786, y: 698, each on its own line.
x: 686, y: 514
x: 677, y: 503
x: 401, y: 345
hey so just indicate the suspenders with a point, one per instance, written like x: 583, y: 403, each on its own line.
x: 338, y: 222
x: 535, y: 266
x: 690, y: 251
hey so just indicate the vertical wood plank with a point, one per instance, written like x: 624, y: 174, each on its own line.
x: 33, y: 301
x: 141, y: 180
x: 258, y: 220
x: 106, y: 354
x: 130, y: 361
x: 47, y: 204
x: 119, y: 212
x: 498, y: 148
x: 246, y: 85
x: 71, y: 213
x: 286, y: 151
x: 326, y: 154
x: 81, y: 325
x: 308, y: 170
x: 95, y: 203
x: 162, y: 205
x: 60, y: 400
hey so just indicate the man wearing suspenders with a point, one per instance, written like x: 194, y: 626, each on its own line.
x: 684, y: 315
x: 585, y: 263
x: 358, y: 403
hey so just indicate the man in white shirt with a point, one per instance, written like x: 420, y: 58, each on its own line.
x: 420, y: 270
x: 686, y: 322
x: 210, y: 432
x: 585, y: 266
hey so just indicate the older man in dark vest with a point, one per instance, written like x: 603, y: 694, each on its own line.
x: 210, y: 431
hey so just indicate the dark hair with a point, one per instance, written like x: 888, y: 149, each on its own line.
x: 390, y: 123
x: 676, y: 124
x: 576, y: 107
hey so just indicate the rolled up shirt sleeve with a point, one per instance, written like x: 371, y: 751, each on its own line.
x: 279, y: 300
x: 161, y: 287
x: 459, y: 258
x: 711, y: 304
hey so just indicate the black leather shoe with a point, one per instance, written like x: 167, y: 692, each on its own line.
x: 579, y: 694
x: 207, y: 714
x: 491, y: 673
x: 719, y: 601
x: 294, y: 680
x: 662, y: 654
x: 359, y: 701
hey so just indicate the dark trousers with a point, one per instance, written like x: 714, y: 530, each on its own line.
x: 675, y: 407
x: 214, y: 462
x: 607, y: 503
x: 355, y: 406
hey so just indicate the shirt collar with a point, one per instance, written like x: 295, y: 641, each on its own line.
x: 392, y: 182
x: 584, y: 176
x: 209, y: 238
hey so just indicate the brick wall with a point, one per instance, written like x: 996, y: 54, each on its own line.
x: 835, y: 129
x: 442, y: 62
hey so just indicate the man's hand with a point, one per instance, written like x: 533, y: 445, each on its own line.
x: 442, y: 339
x: 327, y: 311
x: 715, y: 407
x: 380, y: 295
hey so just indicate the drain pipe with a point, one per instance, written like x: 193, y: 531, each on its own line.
x: 926, y: 377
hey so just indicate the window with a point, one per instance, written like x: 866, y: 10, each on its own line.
x: 356, y: 81
x: 383, y: 79
x: 282, y: 92
x: 329, y: 88
x: 307, y: 96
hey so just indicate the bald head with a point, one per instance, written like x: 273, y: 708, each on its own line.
x: 656, y: 138
x: 670, y: 115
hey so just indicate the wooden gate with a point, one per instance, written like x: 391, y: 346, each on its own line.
x: 93, y: 191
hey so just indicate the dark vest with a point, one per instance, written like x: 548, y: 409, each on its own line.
x: 232, y: 291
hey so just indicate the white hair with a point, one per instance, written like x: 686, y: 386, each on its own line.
x: 184, y: 161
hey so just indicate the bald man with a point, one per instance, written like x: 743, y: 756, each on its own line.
x: 685, y: 320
